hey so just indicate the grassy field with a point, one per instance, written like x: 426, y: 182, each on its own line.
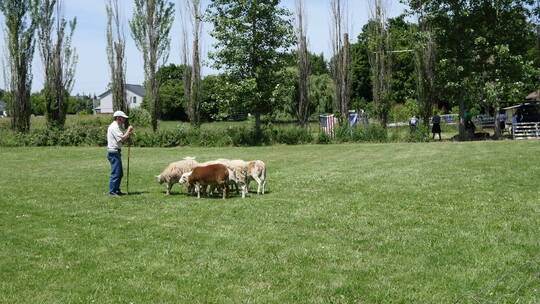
x: 389, y: 223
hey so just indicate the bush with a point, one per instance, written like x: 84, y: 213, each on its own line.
x: 324, y: 138
x: 293, y: 136
x: 399, y: 113
x: 249, y: 136
x: 88, y: 134
x: 373, y: 133
x: 343, y: 133
x: 421, y: 134
x: 95, y: 121
x: 140, y: 117
x: 74, y: 136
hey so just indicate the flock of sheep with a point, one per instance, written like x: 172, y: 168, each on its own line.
x: 220, y: 174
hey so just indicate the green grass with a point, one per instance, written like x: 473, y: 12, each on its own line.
x: 389, y: 223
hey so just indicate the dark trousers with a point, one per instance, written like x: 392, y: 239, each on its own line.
x: 115, y: 158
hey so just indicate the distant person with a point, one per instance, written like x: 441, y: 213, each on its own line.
x: 502, y: 122
x: 363, y: 118
x: 413, y: 123
x: 436, y: 128
x: 469, y: 126
x: 115, y: 138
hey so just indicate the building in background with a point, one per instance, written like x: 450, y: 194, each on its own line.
x: 3, y: 109
x: 134, y: 93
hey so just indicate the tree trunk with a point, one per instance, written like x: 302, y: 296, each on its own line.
x: 345, y: 80
x: 196, y: 80
x: 497, y: 126
x: 303, y: 83
x: 461, y: 102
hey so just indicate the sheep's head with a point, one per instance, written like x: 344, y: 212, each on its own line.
x: 160, y: 179
x: 184, y: 178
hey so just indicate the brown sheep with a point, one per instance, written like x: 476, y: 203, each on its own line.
x: 211, y: 175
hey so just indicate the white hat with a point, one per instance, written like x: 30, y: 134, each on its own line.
x: 120, y: 114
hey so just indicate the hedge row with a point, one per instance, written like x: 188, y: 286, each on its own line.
x: 233, y: 136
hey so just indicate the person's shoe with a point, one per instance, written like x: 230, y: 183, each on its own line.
x: 114, y: 195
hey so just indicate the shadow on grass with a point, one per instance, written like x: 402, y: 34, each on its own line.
x: 134, y: 193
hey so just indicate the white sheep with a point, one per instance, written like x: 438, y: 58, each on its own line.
x: 256, y: 170
x: 172, y: 174
x: 220, y: 161
x: 238, y: 178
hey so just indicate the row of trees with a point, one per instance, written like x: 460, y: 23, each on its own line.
x: 457, y: 53
x: 26, y: 19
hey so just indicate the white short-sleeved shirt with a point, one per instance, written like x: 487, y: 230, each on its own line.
x: 114, y: 136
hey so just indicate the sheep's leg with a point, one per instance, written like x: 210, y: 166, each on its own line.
x: 198, y: 190
x: 169, y: 187
x: 263, y: 185
x: 258, y: 180
x: 225, y: 191
x: 247, y: 185
x: 244, y: 191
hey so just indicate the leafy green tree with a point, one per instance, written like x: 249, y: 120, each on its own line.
x: 454, y: 29
x: 39, y: 104
x: 474, y: 40
x: 171, y: 92
x: 361, y: 86
x: 499, y: 63
x: 285, y: 96
x: 402, y: 64
x: 321, y: 93
x: 250, y: 35
x: 402, y: 40
x: 150, y: 28
x: 210, y: 108
x: 318, y: 65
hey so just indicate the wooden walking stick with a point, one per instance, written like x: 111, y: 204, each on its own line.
x: 129, y: 155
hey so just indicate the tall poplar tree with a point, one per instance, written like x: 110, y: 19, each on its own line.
x: 192, y: 67
x: 58, y: 57
x: 116, y: 50
x: 20, y: 26
x: 150, y: 28
x: 303, y: 106
x: 341, y: 60
x: 380, y: 59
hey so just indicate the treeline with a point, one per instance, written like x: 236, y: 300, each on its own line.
x: 453, y: 56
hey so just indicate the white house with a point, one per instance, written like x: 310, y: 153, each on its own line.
x: 134, y: 93
x: 3, y: 110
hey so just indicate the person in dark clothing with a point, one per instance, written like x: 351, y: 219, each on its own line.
x: 469, y: 126
x: 436, y: 128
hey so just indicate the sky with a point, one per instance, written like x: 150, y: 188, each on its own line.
x: 92, y: 72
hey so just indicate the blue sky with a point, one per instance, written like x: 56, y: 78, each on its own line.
x: 89, y: 39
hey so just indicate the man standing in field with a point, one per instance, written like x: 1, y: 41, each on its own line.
x: 115, y: 138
